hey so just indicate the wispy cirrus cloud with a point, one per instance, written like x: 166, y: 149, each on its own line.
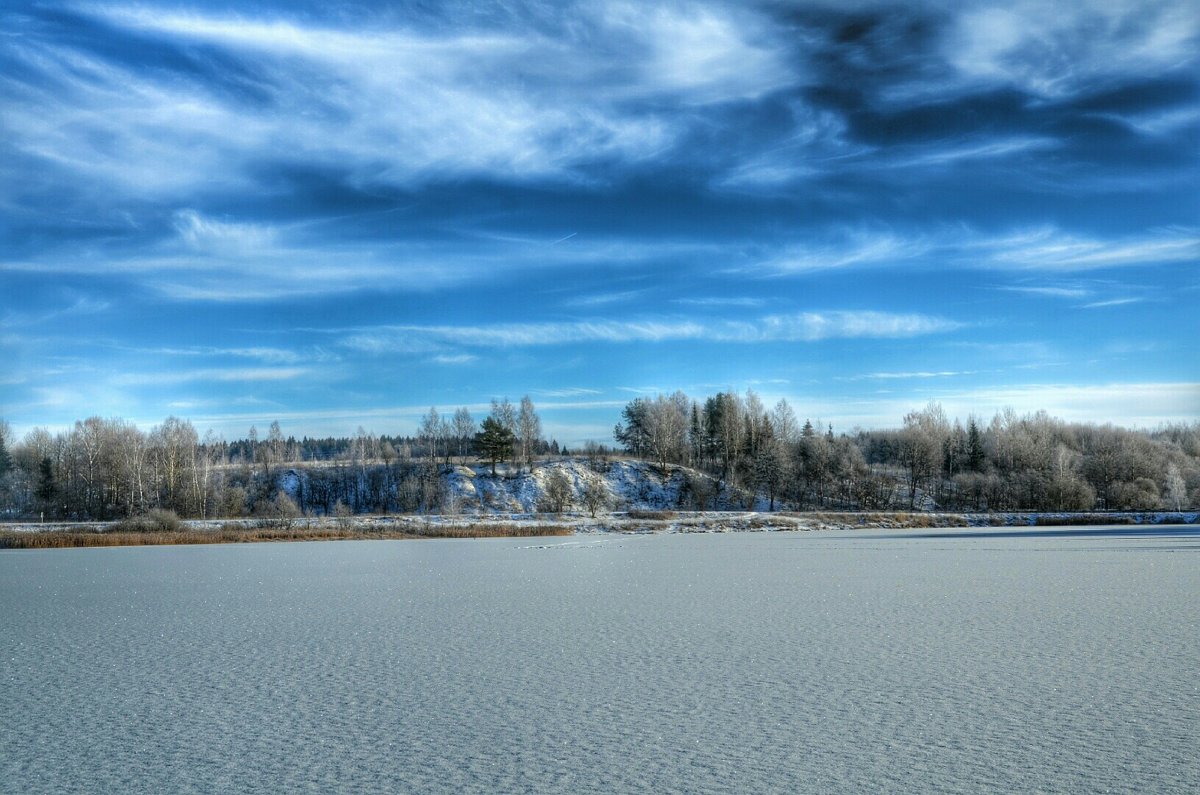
x: 1113, y: 302
x: 248, y: 374
x: 1049, y: 291
x: 1046, y: 249
x: 801, y: 327
x: 568, y: 392
x: 556, y: 188
x: 721, y: 301
x: 455, y: 358
x: 918, y: 374
x: 391, y: 103
x: 264, y: 354
x: 1050, y: 249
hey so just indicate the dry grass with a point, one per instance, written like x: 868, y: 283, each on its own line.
x: 233, y: 533
x: 1082, y: 519
x: 486, y: 530
x: 652, y: 516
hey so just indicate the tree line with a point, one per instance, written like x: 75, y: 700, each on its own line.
x: 1012, y: 462
x: 107, y: 468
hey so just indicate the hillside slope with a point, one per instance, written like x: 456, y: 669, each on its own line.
x: 630, y: 485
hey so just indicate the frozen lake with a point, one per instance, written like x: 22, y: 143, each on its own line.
x: 945, y: 661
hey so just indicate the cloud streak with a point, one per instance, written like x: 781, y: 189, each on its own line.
x: 802, y: 327
x: 536, y: 196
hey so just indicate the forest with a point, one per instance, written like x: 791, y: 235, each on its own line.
x: 107, y: 468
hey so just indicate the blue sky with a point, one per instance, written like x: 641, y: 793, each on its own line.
x: 339, y: 215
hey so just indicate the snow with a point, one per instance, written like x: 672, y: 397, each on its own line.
x: 632, y: 485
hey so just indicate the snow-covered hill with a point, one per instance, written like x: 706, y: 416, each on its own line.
x: 630, y: 485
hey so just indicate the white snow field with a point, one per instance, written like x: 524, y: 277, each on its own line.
x: 887, y: 661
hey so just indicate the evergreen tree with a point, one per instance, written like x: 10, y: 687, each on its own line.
x: 975, y: 454
x: 46, y: 486
x: 494, y: 442
x: 632, y: 434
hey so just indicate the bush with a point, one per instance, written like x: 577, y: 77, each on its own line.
x: 596, y: 495
x: 279, y: 512
x: 652, y: 515
x: 156, y: 521
x: 558, y: 492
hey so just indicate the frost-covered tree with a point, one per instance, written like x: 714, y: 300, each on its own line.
x: 558, y: 490
x: 529, y: 430
x: 505, y: 414
x: 1176, y: 494
x: 5, y: 438
x: 431, y: 433
x: 595, y: 495
x: 276, y: 447
x: 665, y: 428
x: 921, y: 447
x: 464, y: 429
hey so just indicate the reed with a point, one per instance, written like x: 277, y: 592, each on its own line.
x: 242, y: 534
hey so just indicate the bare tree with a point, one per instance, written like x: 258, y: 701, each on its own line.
x: 464, y: 430
x: 529, y: 430
x: 504, y: 413
x: 431, y: 432
x: 558, y: 490
x: 595, y: 495
x: 921, y: 446
x: 665, y: 423
x: 276, y: 447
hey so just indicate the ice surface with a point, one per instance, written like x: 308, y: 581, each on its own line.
x: 783, y: 662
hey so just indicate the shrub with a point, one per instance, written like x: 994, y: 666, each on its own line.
x: 156, y: 521
x: 558, y: 491
x: 652, y: 515
x: 279, y: 512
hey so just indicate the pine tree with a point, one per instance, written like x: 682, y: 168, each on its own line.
x: 975, y: 454
x: 46, y: 486
x: 495, y: 442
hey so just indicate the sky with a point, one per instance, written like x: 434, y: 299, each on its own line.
x: 341, y: 214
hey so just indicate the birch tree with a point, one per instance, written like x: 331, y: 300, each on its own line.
x: 529, y: 430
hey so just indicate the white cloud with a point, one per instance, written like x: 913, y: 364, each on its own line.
x: 394, y: 103
x: 717, y: 300
x: 704, y: 54
x: 602, y: 299
x: 1113, y: 302
x: 265, y: 354
x: 802, y: 327
x: 575, y: 391
x: 1052, y: 292
x: 1132, y: 404
x: 852, y: 248
x: 215, y: 236
x: 915, y: 374
x: 1052, y: 48
x: 212, y: 374
x: 456, y: 358
x: 1050, y: 249
x: 1044, y: 248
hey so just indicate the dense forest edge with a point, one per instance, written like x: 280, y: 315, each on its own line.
x: 723, y: 453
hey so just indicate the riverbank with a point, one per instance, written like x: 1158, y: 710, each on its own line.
x: 235, y: 531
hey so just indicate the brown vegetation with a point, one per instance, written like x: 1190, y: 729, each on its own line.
x: 140, y: 532
x: 656, y: 516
